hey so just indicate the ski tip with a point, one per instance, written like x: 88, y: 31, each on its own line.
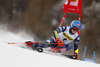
x: 40, y: 50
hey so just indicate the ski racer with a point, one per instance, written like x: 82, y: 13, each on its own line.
x: 63, y: 36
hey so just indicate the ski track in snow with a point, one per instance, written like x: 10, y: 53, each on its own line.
x: 12, y: 56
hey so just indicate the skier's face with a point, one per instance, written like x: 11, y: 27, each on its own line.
x: 74, y: 30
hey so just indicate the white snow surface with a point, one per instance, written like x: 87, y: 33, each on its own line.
x: 15, y: 56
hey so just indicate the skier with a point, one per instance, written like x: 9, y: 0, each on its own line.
x: 63, y: 36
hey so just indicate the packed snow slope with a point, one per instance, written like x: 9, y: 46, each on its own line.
x: 15, y: 56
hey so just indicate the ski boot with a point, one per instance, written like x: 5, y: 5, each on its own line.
x: 33, y: 46
x: 28, y: 43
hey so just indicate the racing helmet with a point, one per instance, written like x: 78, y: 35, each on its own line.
x: 75, y: 23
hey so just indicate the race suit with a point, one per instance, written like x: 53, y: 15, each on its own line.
x: 65, y: 34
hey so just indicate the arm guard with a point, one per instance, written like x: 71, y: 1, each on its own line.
x: 60, y: 29
x: 56, y: 34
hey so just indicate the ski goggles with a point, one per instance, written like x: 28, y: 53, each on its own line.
x: 75, y: 29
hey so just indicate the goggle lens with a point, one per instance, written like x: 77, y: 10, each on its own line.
x: 75, y: 28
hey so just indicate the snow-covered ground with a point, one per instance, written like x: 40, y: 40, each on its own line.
x: 14, y: 56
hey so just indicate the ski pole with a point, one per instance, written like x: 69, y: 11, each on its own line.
x: 23, y: 42
x: 32, y: 43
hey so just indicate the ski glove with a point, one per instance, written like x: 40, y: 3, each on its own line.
x: 59, y: 42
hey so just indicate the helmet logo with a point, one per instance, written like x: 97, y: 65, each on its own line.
x: 78, y: 24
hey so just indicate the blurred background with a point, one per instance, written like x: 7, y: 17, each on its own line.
x: 42, y: 17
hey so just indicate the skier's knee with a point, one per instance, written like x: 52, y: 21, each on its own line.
x: 69, y: 46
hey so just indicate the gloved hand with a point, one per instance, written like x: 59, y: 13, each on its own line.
x: 76, y: 56
x: 59, y: 42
